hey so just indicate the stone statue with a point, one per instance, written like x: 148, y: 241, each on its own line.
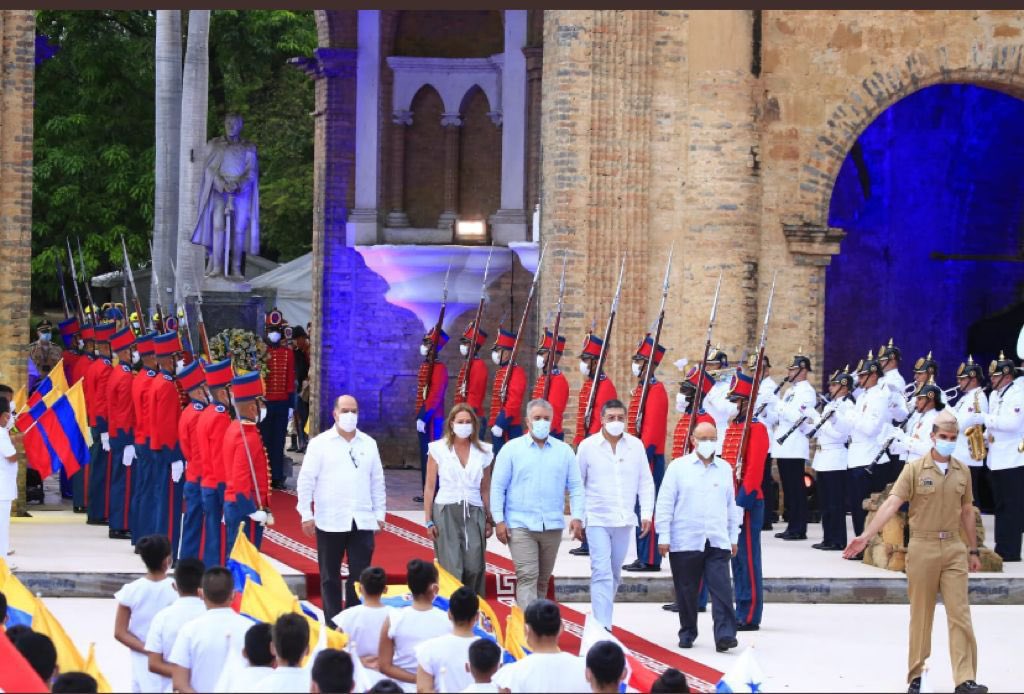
x: 229, y: 202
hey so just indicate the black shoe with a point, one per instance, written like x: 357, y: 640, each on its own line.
x: 767, y: 526
x: 301, y: 449
x: 970, y: 687
x: 637, y: 566
x: 702, y: 609
x: 95, y: 522
x: 834, y: 548
x: 792, y: 536
x: 827, y: 546
x: 781, y: 535
x: 859, y: 556
x: 119, y: 534
x: 671, y: 607
x: 79, y: 509
x: 725, y: 644
x: 418, y: 499
x: 748, y: 627
x: 580, y: 551
x: 685, y: 643
x: 915, y: 686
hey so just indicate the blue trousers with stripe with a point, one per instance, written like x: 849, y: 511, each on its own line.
x: 236, y: 512
x: 192, y: 521
x: 213, y: 512
x: 99, y: 462
x: 120, y: 483
x: 164, y: 516
x: 746, y: 565
x: 647, y: 547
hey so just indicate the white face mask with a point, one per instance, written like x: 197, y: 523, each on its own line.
x: 347, y: 421
x: 584, y: 368
x: 463, y: 430
x: 423, y: 350
x: 540, y: 428
x: 542, y: 361
x: 179, y: 364
x: 81, y: 344
x: 263, y: 414
x: 615, y: 429
x: 496, y: 357
x: 638, y: 368
x: 706, y: 449
x: 464, y: 350
x: 274, y: 337
x: 10, y: 422
x: 45, y: 337
x: 136, y: 325
x: 136, y: 357
x: 96, y: 352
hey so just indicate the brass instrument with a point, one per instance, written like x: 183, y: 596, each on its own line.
x: 975, y: 436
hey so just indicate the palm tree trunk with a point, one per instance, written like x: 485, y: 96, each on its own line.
x: 168, y: 142
x: 194, y: 100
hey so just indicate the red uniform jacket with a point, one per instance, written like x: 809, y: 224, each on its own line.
x: 476, y: 388
x: 120, y: 404
x: 512, y: 413
x: 164, y: 413
x: 280, y: 380
x: 749, y: 487
x: 558, y: 397
x: 213, y: 423
x: 239, y: 480
x: 433, y: 406
x: 605, y: 392
x: 654, y: 427
x: 679, y: 435
x: 188, y: 438
x: 96, y: 392
x: 144, y: 380
x: 70, y: 359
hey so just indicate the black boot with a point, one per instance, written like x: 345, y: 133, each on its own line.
x: 295, y: 445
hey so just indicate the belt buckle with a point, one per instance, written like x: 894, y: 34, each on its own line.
x: 945, y: 534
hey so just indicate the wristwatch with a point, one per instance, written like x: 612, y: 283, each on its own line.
x: 974, y: 552
x: 430, y: 524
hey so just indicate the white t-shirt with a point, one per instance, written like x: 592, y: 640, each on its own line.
x: 285, y: 679
x: 411, y: 627
x: 164, y: 628
x: 207, y: 642
x: 544, y: 672
x: 243, y: 679
x: 145, y: 598
x: 481, y: 687
x: 444, y: 658
x: 460, y: 483
x: 363, y: 624
x: 8, y: 469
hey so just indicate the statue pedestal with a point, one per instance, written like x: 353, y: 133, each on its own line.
x: 225, y: 285
x: 227, y: 304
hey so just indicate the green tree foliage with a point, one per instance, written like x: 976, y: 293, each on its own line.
x: 94, y: 131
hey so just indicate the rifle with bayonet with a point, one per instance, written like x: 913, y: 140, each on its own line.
x: 748, y: 417
x: 554, y: 333
x: 432, y: 350
x: 649, y: 368
x: 463, y: 390
x: 74, y: 283
x: 93, y: 308
x: 159, y: 319
x: 59, y: 270
x: 519, y: 333
x: 698, y: 397
x: 588, y: 414
x: 182, y: 313
x: 131, y: 283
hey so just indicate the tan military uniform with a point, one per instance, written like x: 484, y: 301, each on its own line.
x: 45, y: 355
x: 937, y: 561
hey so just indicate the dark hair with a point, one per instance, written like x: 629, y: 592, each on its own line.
x: 257, y: 645
x: 75, y: 682
x: 544, y: 617
x: 385, y: 686
x: 3, y: 608
x: 4, y: 388
x: 218, y: 584
x: 17, y: 631
x: 38, y: 650
x: 188, y: 576
x: 5, y: 405
x: 154, y: 549
x: 463, y: 604
x: 612, y: 404
x: 670, y: 681
x: 420, y: 575
x: 374, y: 581
x: 606, y: 662
x: 291, y: 637
x: 484, y: 657
x: 332, y: 671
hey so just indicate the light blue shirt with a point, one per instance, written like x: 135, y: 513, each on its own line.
x: 529, y: 483
x: 697, y: 504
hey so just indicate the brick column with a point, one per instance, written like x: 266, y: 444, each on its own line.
x: 400, y: 120
x: 534, y: 67
x: 451, y: 122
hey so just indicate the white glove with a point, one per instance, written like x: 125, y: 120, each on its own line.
x: 259, y: 517
x: 682, y: 402
x: 497, y: 431
x: 291, y: 413
x: 129, y: 456
x: 177, y: 467
x: 105, y: 441
x: 421, y: 426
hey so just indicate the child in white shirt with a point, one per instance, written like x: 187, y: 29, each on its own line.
x: 363, y: 622
x: 259, y: 662
x: 547, y: 668
x: 137, y: 604
x: 442, y: 660
x: 163, y: 630
x: 484, y: 659
x: 8, y: 476
x: 291, y: 644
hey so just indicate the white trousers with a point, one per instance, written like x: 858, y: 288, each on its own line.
x: 608, y: 548
x: 5, y: 528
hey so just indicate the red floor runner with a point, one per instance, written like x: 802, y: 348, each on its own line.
x: 403, y: 540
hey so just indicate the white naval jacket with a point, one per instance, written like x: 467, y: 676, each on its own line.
x: 898, y: 408
x: 968, y: 415
x: 834, y: 434
x: 871, y: 424
x: 799, y: 401
x: 916, y: 440
x: 1005, y: 422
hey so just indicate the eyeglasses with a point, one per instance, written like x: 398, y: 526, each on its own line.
x: 353, y: 457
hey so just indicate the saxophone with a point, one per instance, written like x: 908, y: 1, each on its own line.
x: 975, y: 436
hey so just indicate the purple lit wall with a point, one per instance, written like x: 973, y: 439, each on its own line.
x: 939, y: 171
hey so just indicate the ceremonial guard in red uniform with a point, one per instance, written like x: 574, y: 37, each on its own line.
x: 431, y: 385
x: 506, y: 419
x: 280, y: 393
x: 80, y: 480
x: 192, y: 380
x: 213, y: 423
x: 164, y: 412
x: 558, y: 392
x: 121, y: 427
x: 247, y: 497
x: 476, y: 385
x: 653, y: 430
x: 605, y: 389
x: 685, y: 402
x: 146, y: 482
x: 746, y: 565
x: 96, y: 379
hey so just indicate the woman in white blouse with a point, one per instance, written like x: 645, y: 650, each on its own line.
x: 459, y: 517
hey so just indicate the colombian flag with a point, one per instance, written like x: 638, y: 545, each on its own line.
x: 20, y: 399
x: 515, y: 636
x: 63, y: 424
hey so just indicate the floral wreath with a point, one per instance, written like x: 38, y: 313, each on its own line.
x: 247, y: 351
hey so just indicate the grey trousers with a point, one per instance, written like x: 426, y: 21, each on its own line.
x: 460, y: 543
x: 533, y: 554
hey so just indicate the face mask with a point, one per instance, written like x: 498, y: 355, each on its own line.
x: 540, y: 428
x: 463, y: 429
x: 615, y: 429
x: 637, y: 368
x: 81, y: 344
x: 464, y: 350
x: 681, y: 402
x: 274, y: 337
x: 96, y: 352
x: 45, y: 337
x: 136, y: 325
x: 945, y: 448
x: 496, y: 357
x: 263, y: 414
x: 179, y: 364
x: 542, y: 361
x: 136, y: 357
x: 347, y: 421
x: 423, y: 350
x: 706, y: 449
x: 584, y: 368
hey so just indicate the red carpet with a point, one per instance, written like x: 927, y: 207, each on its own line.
x: 403, y: 540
